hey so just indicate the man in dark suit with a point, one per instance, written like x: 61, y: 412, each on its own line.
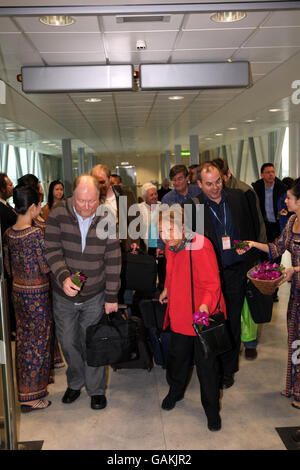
x: 269, y: 190
x: 8, y: 218
x: 226, y: 218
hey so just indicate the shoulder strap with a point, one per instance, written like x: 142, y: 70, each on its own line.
x: 192, y: 282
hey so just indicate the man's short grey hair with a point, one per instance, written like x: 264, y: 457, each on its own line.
x: 146, y: 188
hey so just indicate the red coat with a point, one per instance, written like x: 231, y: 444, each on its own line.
x: 207, y: 286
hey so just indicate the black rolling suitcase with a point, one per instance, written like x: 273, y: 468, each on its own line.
x: 153, y: 314
x: 142, y: 359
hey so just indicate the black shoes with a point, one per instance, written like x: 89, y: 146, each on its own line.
x: 250, y: 354
x: 215, y: 426
x: 169, y: 402
x: 98, y: 402
x: 70, y: 395
x: 227, y: 381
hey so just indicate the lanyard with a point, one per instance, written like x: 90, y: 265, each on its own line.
x: 216, y: 216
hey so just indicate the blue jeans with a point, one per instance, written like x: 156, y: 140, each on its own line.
x: 250, y: 344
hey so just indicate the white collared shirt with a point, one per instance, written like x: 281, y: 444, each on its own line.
x: 84, y: 225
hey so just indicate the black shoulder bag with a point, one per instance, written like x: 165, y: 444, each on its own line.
x: 213, y: 339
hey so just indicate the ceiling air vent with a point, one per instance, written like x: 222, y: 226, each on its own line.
x: 142, y: 18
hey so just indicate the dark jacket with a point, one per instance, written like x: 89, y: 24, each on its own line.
x: 239, y: 208
x: 278, y: 191
x: 8, y: 217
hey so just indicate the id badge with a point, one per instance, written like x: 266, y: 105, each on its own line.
x: 226, y: 244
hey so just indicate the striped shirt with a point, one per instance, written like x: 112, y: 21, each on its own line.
x: 100, y: 262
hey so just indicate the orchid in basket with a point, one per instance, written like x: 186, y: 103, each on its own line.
x: 202, y: 319
x: 240, y: 245
x: 78, y: 279
x: 267, y: 271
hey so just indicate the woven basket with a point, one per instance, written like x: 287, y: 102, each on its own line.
x: 264, y: 286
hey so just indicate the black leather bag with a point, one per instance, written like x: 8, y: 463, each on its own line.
x: 153, y: 313
x: 261, y: 305
x: 140, y: 272
x: 213, y: 339
x: 112, y: 340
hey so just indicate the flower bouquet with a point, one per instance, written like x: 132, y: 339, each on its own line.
x: 240, y: 245
x: 78, y: 279
x: 266, y: 276
x: 202, y: 319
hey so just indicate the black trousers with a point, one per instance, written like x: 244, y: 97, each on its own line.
x: 234, y: 289
x: 161, y: 267
x: 182, y: 355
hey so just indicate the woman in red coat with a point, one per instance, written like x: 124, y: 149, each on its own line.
x: 177, y: 292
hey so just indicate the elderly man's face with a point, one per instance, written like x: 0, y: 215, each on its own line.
x: 86, y: 199
x: 103, y: 180
x: 151, y: 196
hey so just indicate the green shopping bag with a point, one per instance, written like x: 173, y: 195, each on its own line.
x: 248, y: 327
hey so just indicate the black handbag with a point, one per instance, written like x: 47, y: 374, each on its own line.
x: 113, y: 339
x: 213, y: 339
x: 140, y: 272
x: 261, y: 305
x: 153, y: 313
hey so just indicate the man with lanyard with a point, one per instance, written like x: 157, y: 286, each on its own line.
x: 226, y: 218
x: 181, y: 193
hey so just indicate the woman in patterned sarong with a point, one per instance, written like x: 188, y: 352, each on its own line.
x: 40, y: 221
x: 290, y: 240
x: 26, y: 263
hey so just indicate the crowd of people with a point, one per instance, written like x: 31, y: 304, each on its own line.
x: 44, y: 248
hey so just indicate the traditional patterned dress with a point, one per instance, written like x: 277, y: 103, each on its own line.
x: 56, y: 356
x: 25, y: 262
x: 289, y: 240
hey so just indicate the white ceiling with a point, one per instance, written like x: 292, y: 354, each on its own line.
x: 147, y: 123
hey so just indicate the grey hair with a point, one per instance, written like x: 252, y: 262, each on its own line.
x: 146, y: 188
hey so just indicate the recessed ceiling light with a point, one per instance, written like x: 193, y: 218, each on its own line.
x: 45, y: 141
x: 228, y: 16
x: 57, y: 20
x: 175, y: 98
x: 93, y: 100
x: 51, y: 145
x: 274, y: 110
x: 208, y: 138
x: 248, y: 121
x: 232, y: 128
x: 219, y: 134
